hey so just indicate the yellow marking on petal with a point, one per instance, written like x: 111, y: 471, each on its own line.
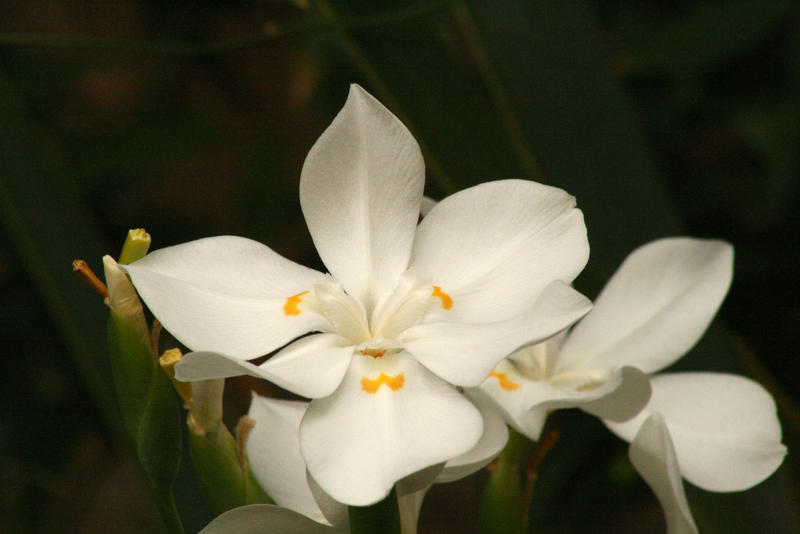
x: 372, y: 385
x: 447, y: 301
x: 375, y: 353
x: 291, y: 306
x: 505, y: 382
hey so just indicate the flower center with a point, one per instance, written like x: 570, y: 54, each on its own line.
x: 372, y: 334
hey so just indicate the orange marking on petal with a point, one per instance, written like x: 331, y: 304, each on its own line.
x: 372, y: 385
x: 291, y: 306
x: 505, y: 382
x: 447, y: 301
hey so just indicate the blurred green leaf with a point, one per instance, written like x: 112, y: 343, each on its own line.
x: 50, y: 225
x: 708, y: 32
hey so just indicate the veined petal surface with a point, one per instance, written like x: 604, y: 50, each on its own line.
x: 653, y: 456
x: 655, y: 307
x: 724, y: 427
x: 225, y: 294
x: 360, y: 190
x: 494, y: 247
x: 464, y: 354
x: 390, y: 418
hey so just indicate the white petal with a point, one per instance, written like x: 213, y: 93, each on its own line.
x: 201, y: 365
x: 421, y: 480
x: 335, y: 512
x: 464, y: 354
x: 653, y: 455
x: 427, y: 205
x: 273, y: 449
x: 525, y: 402
x: 726, y: 433
x: 357, y: 444
x: 493, y: 439
x: 311, y: 367
x: 655, y: 307
x: 494, y: 247
x: 265, y: 519
x: 225, y: 294
x: 360, y: 191
x: 622, y: 397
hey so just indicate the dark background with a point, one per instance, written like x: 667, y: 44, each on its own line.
x: 193, y: 118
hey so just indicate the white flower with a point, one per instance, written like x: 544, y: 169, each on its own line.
x: 407, y: 313
x: 724, y: 428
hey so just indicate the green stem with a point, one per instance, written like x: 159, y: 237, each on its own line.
x: 165, y: 503
x: 380, y: 518
x: 387, y: 97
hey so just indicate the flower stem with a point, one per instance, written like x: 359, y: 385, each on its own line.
x: 380, y: 518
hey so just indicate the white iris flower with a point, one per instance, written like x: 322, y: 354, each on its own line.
x: 407, y: 314
x: 719, y: 431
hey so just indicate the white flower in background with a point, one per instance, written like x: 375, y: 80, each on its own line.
x: 407, y: 313
x: 718, y: 431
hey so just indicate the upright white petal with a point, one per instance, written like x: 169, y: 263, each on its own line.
x: 494, y: 247
x: 273, y: 449
x: 388, y: 419
x: 360, y: 190
x: 653, y: 456
x: 655, y: 307
x: 265, y: 519
x: 226, y: 294
x: 464, y: 354
x: 726, y: 433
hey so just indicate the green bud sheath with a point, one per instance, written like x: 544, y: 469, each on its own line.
x: 226, y: 481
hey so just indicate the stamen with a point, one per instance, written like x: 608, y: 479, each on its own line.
x: 447, y: 301
x: 375, y: 353
x: 291, y: 306
x: 371, y: 385
x: 505, y: 382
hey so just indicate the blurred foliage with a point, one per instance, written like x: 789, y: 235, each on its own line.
x: 193, y: 118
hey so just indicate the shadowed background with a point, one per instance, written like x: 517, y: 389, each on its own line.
x: 193, y: 118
